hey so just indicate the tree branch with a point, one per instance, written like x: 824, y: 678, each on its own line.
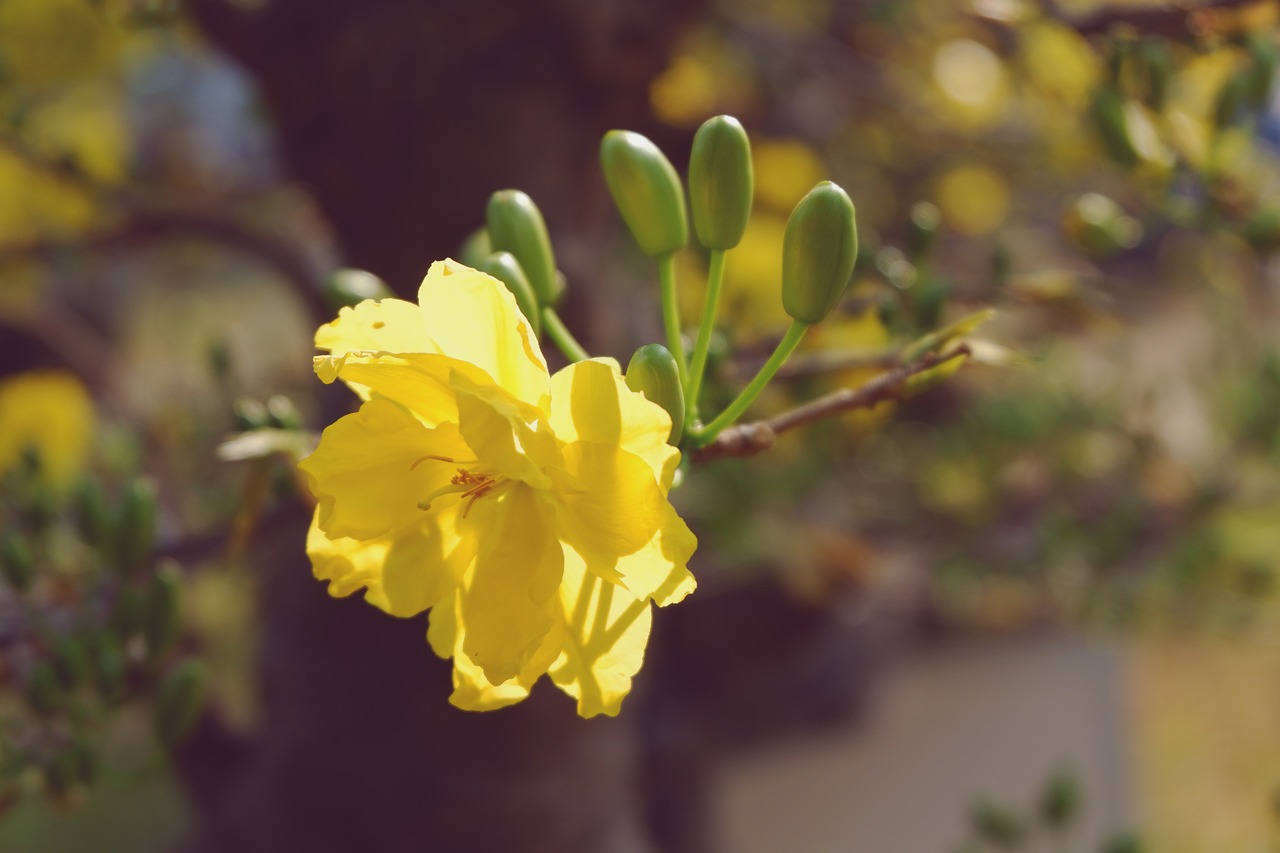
x: 748, y: 439
x: 1180, y: 21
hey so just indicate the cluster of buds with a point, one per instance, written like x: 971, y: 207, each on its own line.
x: 89, y: 622
x: 820, y: 248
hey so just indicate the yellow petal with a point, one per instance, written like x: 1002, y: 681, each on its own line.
x: 506, y: 606
x: 405, y: 572
x: 508, y: 436
x: 659, y: 570
x: 417, y: 381
x: 615, y: 509
x: 591, y: 402
x: 473, y: 317
x: 388, y: 325
x: 605, y: 635
x: 471, y: 690
x: 369, y: 472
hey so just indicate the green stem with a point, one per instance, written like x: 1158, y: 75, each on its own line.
x: 748, y: 395
x: 562, y: 337
x: 671, y: 314
x: 715, y: 279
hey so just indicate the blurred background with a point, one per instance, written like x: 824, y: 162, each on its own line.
x: 1031, y: 609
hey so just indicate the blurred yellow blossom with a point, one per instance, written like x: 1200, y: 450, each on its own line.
x: 50, y: 412
x: 528, y: 511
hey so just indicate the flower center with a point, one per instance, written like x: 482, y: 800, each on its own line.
x: 468, y: 483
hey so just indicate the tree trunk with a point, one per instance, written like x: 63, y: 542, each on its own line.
x: 400, y: 117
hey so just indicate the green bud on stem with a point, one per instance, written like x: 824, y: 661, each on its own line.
x: 653, y: 372
x: 16, y: 561
x: 819, y: 248
x: 721, y: 182
x: 89, y: 509
x: 179, y: 701
x: 646, y: 190
x: 505, y: 268
x: 160, y: 617
x: 515, y: 225
x: 347, y: 287
x: 136, y: 526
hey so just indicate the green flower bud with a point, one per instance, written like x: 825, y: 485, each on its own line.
x: 646, y: 190
x: 505, y: 268
x: 1123, y: 842
x: 818, y: 251
x: 1157, y: 62
x: 282, y: 413
x: 1060, y: 800
x: 475, y: 248
x: 922, y: 230
x: 160, y: 617
x: 1232, y: 100
x: 250, y: 414
x: 179, y: 701
x: 347, y: 287
x: 136, y: 526
x: 721, y: 182
x: 90, y: 512
x: 996, y: 824
x: 653, y: 372
x: 107, y: 667
x: 43, y: 694
x: 516, y: 226
x: 16, y: 561
x: 70, y: 661
x: 1262, y: 72
x: 1109, y: 119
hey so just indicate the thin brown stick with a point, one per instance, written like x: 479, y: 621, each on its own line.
x: 1180, y: 21
x: 748, y: 439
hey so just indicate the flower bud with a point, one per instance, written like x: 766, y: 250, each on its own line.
x: 160, y: 617
x: 1060, y: 800
x: 475, y: 248
x: 16, y: 562
x: 249, y: 414
x: 1109, y: 119
x: 818, y: 251
x: 108, y: 667
x: 179, y: 701
x: 282, y: 413
x: 347, y: 287
x: 136, y: 525
x: 515, y: 225
x: 653, y: 372
x: 720, y: 182
x: 505, y: 268
x: 90, y: 512
x: 646, y: 190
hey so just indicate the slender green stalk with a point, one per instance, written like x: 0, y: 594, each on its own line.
x: 748, y: 394
x: 715, y: 279
x: 562, y: 337
x: 671, y: 313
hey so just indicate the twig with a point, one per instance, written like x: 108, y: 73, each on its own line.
x: 748, y: 439
x: 1181, y: 20
x: 144, y: 219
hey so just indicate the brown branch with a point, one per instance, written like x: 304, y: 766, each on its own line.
x: 143, y: 219
x: 1180, y: 21
x: 748, y: 439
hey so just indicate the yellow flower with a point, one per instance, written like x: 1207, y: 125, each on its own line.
x: 528, y: 511
x: 50, y: 412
